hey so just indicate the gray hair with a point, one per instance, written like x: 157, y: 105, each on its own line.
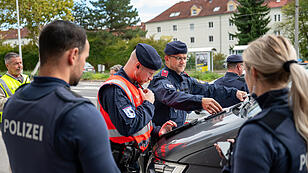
x: 10, y: 55
x: 116, y: 68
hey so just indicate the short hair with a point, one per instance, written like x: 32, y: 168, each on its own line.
x: 58, y: 37
x: 232, y: 64
x: 116, y: 68
x: 10, y: 55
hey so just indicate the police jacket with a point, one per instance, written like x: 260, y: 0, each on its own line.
x: 48, y: 128
x: 176, y: 94
x: 142, y: 137
x: 232, y: 80
x: 124, y: 115
x: 269, y: 141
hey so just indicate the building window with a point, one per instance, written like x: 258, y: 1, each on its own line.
x: 211, y: 38
x: 192, y: 39
x: 175, y: 39
x: 174, y: 14
x: 230, y: 22
x: 231, y: 7
x: 231, y: 52
x: 231, y: 37
x: 277, y: 32
x: 175, y: 27
x: 192, y: 26
x: 158, y: 29
x: 211, y: 25
x: 194, y: 12
x: 277, y: 17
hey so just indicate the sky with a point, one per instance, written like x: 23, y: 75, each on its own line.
x: 148, y: 9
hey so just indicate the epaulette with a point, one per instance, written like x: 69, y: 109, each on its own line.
x: 164, y: 73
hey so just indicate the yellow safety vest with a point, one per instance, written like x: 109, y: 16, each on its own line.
x: 9, y: 85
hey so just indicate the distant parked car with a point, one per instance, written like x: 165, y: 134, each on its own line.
x: 88, y: 68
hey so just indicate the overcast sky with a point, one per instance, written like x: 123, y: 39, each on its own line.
x: 148, y: 9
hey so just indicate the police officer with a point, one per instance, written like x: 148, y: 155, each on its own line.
x: 233, y: 76
x: 275, y: 140
x: 11, y: 80
x: 128, y: 108
x: 47, y: 127
x: 176, y: 92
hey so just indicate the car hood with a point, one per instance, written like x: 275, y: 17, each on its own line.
x: 198, y: 135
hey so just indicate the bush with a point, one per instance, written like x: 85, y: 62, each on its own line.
x: 219, y: 60
x: 94, y: 76
x: 207, y: 76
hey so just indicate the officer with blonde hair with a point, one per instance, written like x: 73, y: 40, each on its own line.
x: 275, y: 140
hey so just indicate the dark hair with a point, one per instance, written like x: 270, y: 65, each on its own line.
x: 10, y: 55
x: 232, y: 64
x: 58, y: 37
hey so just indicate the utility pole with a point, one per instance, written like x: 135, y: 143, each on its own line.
x: 296, y: 29
x: 19, y: 39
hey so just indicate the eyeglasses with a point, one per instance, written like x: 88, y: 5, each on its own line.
x: 178, y: 58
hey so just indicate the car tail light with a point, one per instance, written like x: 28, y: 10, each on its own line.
x: 168, y: 167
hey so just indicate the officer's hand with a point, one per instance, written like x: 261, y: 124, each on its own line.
x: 167, y: 127
x: 147, y: 94
x: 241, y: 95
x: 211, y: 105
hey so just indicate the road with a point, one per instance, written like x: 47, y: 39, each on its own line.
x: 87, y: 89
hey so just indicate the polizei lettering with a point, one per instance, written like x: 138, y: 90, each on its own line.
x: 24, y: 129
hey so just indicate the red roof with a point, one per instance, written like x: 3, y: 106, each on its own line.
x: 207, y: 9
x: 13, y: 34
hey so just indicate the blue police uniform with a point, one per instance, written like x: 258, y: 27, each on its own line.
x: 269, y: 141
x: 48, y: 128
x: 232, y: 80
x: 125, y: 124
x: 175, y: 95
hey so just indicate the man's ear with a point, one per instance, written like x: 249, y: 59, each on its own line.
x: 73, y: 55
x: 167, y: 58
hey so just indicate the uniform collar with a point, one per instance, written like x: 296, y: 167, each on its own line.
x: 232, y: 74
x: 175, y: 74
x: 122, y: 73
x: 272, y: 98
x: 44, y: 80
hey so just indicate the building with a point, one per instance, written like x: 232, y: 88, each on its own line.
x: 205, y: 23
x: 10, y: 37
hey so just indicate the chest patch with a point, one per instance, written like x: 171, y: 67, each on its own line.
x: 164, y: 73
x: 129, y: 112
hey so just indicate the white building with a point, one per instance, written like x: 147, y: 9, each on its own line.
x: 205, y: 23
x: 10, y: 37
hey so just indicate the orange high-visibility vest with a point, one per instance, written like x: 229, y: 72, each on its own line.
x: 142, y: 137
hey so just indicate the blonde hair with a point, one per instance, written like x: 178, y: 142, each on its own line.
x: 267, y: 55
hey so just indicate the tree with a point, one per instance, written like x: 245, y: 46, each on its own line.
x: 115, y: 15
x: 287, y: 26
x: 251, y: 20
x: 34, y: 14
x: 83, y: 16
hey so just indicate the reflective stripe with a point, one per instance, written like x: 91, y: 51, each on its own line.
x: 115, y: 132
x: 124, y: 87
x: 6, y: 88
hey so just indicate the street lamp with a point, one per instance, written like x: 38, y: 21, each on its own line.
x: 19, y: 39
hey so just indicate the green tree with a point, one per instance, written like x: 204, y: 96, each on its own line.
x: 287, y: 26
x: 83, y: 16
x: 219, y: 60
x: 115, y: 15
x: 34, y: 14
x: 251, y: 20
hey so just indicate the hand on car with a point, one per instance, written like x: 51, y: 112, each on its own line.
x: 147, y: 94
x: 219, y: 149
x: 241, y: 95
x: 211, y: 105
x: 167, y: 127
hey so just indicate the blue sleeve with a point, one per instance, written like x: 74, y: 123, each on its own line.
x: 115, y: 101
x: 167, y: 94
x: 224, y: 96
x: 84, y: 135
x: 257, y: 151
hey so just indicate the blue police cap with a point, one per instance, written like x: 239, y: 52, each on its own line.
x: 148, y: 56
x: 235, y: 58
x: 175, y: 47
